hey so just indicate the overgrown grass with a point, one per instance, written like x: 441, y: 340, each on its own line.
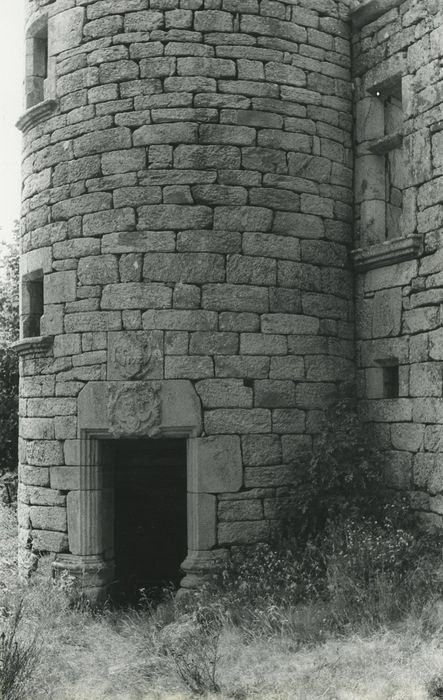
x: 347, y: 605
x: 355, y: 616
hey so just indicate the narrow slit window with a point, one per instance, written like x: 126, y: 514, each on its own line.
x: 32, y: 306
x: 36, y: 63
x: 391, y: 384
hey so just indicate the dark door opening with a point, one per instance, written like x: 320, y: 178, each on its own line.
x: 150, y: 531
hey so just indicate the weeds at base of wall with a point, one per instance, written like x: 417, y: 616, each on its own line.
x: 18, y: 658
x: 354, y: 571
x: 193, y: 644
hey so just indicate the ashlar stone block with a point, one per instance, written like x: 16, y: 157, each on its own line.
x: 65, y: 30
x: 215, y: 464
x: 135, y: 295
x: 386, y: 313
x: 243, y: 532
x: 48, y: 518
x: 97, y: 269
x: 60, y: 287
x: 240, y: 510
x: 224, y: 393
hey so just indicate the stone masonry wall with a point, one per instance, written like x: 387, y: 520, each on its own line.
x: 399, y: 300
x: 190, y: 185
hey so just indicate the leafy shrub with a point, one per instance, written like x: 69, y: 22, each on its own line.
x: 351, y: 547
x: 343, y: 476
x: 435, y: 686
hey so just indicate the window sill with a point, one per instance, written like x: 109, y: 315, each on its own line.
x: 36, y: 346
x: 372, y: 10
x: 390, y: 252
x: 386, y: 144
x: 435, y: 128
x: 34, y: 115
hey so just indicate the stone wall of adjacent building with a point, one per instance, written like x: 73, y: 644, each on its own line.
x: 399, y: 215
x: 187, y: 220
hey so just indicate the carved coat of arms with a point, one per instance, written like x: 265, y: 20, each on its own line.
x: 134, y: 409
x: 135, y: 355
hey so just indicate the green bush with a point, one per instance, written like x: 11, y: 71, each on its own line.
x: 342, y: 478
x: 351, y: 548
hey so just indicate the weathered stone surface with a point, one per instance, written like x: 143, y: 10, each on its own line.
x: 233, y: 297
x: 240, y: 510
x: 96, y: 269
x: 224, y: 393
x: 387, y: 313
x: 175, y: 216
x: 35, y: 495
x: 134, y: 295
x: 180, y: 320
x: 196, y: 367
x: 65, y: 30
x: 261, y: 450
x: 274, y: 393
x: 48, y: 518
x: 59, y: 287
x: 43, y: 453
x: 240, y: 420
x: 215, y: 464
x: 203, y: 343
x: 34, y: 476
x: 184, y: 267
x: 48, y: 541
x: 243, y: 532
x: 93, y: 321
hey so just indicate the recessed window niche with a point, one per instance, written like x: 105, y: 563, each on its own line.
x: 32, y: 304
x: 390, y: 375
x: 383, y: 380
x: 380, y: 166
x: 36, y: 63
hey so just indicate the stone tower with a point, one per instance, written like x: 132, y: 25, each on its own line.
x: 186, y: 278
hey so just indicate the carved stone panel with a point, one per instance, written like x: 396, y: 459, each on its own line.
x: 135, y: 355
x: 134, y: 409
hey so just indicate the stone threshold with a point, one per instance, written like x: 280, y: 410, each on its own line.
x: 372, y: 10
x: 36, y: 114
x: 390, y: 252
x: 34, y: 346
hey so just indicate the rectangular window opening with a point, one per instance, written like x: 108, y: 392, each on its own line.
x: 394, y: 160
x: 36, y: 64
x: 32, y: 306
x: 391, y: 384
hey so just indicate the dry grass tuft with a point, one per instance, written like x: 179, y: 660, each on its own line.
x: 174, y: 652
